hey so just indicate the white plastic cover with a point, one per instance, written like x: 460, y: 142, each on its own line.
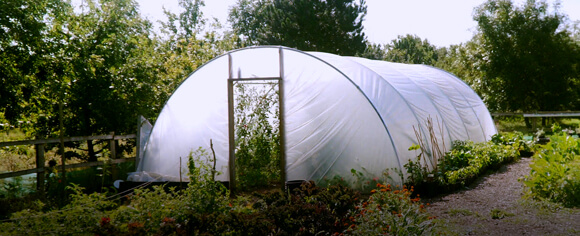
x: 341, y: 113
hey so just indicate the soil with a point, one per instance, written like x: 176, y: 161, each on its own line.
x: 496, y: 205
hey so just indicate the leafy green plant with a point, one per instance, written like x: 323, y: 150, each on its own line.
x: 500, y: 214
x: 465, y: 162
x: 257, y: 134
x: 391, y: 211
x: 555, y: 173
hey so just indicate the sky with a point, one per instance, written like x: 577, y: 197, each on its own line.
x: 442, y: 22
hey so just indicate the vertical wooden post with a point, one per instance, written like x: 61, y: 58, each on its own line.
x: 113, y: 151
x: 282, y: 127
x: 62, y: 158
x: 231, y: 130
x: 112, y: 147
x: 40, y: 164
x: 138, y: 142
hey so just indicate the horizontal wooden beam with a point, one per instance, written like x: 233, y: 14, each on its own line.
x: 539, y: 114
x: 552, y: 115
x: 68, y: 139
x: 507, y: 114
x: 70, y: 166
x: 19, y: 173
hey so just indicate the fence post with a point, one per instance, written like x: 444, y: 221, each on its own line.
x: 113, y: 150
x: 40, y: 164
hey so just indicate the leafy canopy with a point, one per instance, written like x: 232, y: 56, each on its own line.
x: 333, y: 26
x: 529, y: 57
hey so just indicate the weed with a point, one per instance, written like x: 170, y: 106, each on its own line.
x: 555, y: 173
x: 500, y: 214
x: 462, y: 212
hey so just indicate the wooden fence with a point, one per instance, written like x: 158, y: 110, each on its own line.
x: 39, y: 145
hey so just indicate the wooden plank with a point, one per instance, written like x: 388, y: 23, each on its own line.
x: 68, y: 139
x: 231, y: 130
x: 126, y: 136
x: 69, y: 166
x: 98, y: 163
x: 282, y: 117
x: 40, y: 165
x: 552, y: 112
x: 552, y: 115
x: 507, y: 114
x: 19, y: 173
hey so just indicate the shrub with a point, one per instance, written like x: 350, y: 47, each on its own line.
x: 465, y: 162
x: 555, y: 173
x: 389, y: 211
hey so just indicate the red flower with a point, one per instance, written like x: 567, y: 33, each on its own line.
x: 105, y: 221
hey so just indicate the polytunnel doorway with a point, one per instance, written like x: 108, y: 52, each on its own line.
x: 257, y: 159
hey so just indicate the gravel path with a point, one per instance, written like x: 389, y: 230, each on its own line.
x: 493, y: 205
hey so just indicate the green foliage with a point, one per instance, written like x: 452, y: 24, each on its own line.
x: 373, y: 51
x: 257, y: 134
x: 307, y: 210
x: 466, y: 161
x: 24, y: 50
x: 104, y: 63
x: 412, y: 50
x: 500, y: 214
x: 465, y: 61
x: 77, y: 217
x: 555, y: 173
x: 327, y: 26
x: 529, y: 59
x: 389, y: 211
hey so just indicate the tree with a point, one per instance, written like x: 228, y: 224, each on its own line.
x: 528, y: 56
x: 373, y: 51
x: 333, y: 26
x: 24, y: 25
x: 465, y: 61
x: 187, y: 45
x: 100, y: 64
x: 411, y: 49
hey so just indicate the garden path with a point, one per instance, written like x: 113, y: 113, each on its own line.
x: 495, y: 205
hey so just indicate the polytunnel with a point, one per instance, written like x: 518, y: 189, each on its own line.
x: 336, y: 114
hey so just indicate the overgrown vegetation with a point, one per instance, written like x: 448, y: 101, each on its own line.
x: 392, y: 211
x: 465, y: 162
x: 257, y: 134
x: 206, y: 208
x: 555, y: 174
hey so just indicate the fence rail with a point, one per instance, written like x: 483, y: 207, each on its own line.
x: 67, y: 139
x: 69, y: 166
x: 539, y: 114
x: 40, y: 161
x: 533, y: 116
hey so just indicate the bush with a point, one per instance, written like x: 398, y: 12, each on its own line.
x: 465, y: 162
x: 389, y: 211
x: 555, y: 173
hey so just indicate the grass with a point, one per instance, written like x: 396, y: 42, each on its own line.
x: 500, y: 214
x: 517, y: 123
x: 462, y: 212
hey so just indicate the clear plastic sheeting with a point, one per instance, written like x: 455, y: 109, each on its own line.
x: 341, y: 113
